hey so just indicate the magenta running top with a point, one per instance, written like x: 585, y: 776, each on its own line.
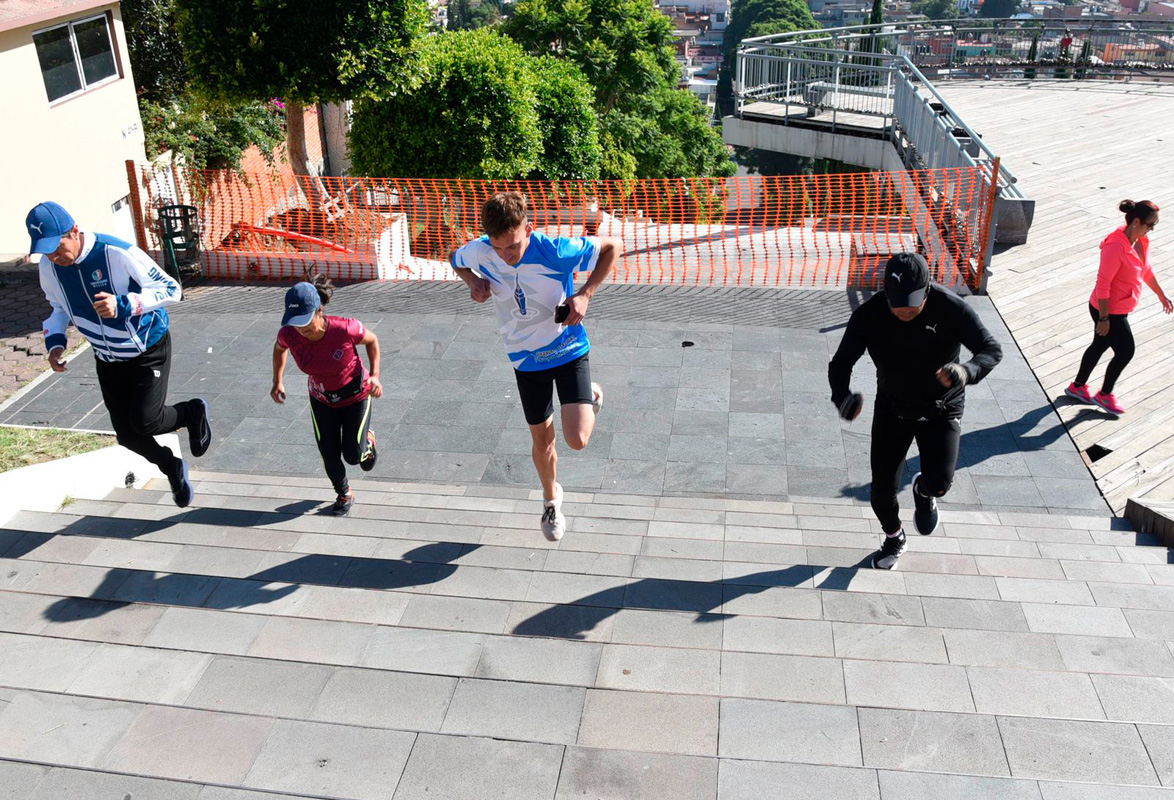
x: 331, y: 362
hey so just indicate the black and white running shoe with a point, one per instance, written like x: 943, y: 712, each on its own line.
x: 925, y: 513
x: 890, y: 552
x: 200, y: 429
x: 181, y: 487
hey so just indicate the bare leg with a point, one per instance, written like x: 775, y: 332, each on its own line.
x: 578, y: 424
x: 545, y: 457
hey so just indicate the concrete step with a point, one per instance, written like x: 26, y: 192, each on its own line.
x: 693, y: 648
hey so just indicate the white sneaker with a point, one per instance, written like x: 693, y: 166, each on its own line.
x: 597, y: 397
x: 554, y: 524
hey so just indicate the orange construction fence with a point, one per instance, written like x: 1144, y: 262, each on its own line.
x: 787, y: 231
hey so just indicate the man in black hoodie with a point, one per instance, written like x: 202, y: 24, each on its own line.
x: 912, y: 331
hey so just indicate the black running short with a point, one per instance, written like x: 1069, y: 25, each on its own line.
x: 536, y: 388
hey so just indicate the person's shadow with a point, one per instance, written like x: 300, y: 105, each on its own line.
x: 976, y: 446
x: 575, y: 619
x: 421, y: 566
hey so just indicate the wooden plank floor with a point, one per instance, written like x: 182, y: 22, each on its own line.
x: 1077, y: 149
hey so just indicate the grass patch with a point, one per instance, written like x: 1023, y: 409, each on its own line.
x: 22, y: 447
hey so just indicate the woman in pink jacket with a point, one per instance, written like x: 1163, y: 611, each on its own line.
x: 1125, y: 266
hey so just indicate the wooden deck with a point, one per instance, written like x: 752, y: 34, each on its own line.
x: 1078, y: 149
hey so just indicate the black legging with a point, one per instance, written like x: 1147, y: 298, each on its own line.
x: 937, y: 441
x: 341, y: 434
x: 135, y: 394
x: 1120, y: 338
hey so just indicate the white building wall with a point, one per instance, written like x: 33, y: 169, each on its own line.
x: 73, y: 151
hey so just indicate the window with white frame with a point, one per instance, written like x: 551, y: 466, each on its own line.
x: 76, y: 56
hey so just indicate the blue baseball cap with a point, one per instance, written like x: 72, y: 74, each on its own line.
x: 301, y: 301
x: 46, y: 224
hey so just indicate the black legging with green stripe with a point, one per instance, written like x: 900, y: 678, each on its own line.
x: 341, y: 434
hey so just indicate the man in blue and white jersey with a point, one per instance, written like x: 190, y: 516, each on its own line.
x: 114, y: 294
x: 531, y: 279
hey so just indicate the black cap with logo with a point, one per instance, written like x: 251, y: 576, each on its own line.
x: 906, y: 280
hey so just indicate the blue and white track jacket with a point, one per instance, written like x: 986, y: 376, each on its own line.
x: 109, y: 265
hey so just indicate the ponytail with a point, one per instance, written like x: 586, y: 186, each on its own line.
x: 1143, y: 210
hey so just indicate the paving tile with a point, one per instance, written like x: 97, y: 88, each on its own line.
x: 673, y: 595
x: 104, y: 621
x: 315, y: 758
x: 751, y: 780
x: 889, y: 643
x: 190, y: 745
x: 773, y: 602
x: 60, y: 729
x: 877, y: 608
x: 142, y: 674
x: 591, y: 623
x: 382, y: 699
x: 931, y: 742
x: 667, y: 723
x: 877, y: 683
x: 1160, y: 746
x: 1111, y: 573
x: 659, y: 669
x: 773, y: 731
x: 18, y: 780
x: 350, y: 605
x: 509, y: 710
x: 256, y: 686
x: 205, y: 630
x: 1076, y: 620
x: 1085, y: 791
x: 1115, y: 655
x: 1158, y: 598
x: 540, y: 661
x: 666, y: 629
x: 1004, y: 566
x: 993, y: 615
x: 976, y: 587
x: 32, y: 662
x: 588, y: 772
x: 456, y: 613
x: 1032, y: 693
x: 489, y: 768
x: 319, y: 641
x: 77, y: 784
x: 1003, y: 649
x: 1030, y: 590
x: 771, y: 635
x: 413, y: 650
x: 924, y: 786
x: 1131, y: 698
x: 1067, y: 750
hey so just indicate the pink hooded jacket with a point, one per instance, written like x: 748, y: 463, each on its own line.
x: 1122, y: 272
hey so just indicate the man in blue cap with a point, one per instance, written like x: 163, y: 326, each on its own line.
x: 114, y: 294
x: 914, y: 331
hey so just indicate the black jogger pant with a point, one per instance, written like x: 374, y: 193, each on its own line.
x: 1120, y: 338
x: 342, y: 435
x: 135, y: 392
x: 937, y: 442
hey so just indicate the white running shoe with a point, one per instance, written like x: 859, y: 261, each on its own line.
x: 597, y: 397
x: 554, y: 524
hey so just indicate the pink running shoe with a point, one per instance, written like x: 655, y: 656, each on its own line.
x: 1079, y: 393
x: 1109, y: 403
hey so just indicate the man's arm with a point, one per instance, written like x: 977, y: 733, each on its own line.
x: 478, y: 286
x: 157, y: 287
x: 610, y: 250
x: 978, y: 340
x: 851, y: 348
x: 55, y: 326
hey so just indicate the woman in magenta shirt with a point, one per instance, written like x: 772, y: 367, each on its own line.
x: 341, y: 388
x: 1125, y: 266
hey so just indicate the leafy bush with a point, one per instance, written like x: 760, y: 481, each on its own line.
x: 209, y: 136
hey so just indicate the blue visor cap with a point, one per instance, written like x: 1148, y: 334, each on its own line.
x: 46, y: 224
x: 301, y: 301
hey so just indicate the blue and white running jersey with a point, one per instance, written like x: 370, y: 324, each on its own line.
x: 525, y: 296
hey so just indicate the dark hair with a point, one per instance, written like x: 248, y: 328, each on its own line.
x: 503, y: 212
x: 324, y: 286
x: 1143, y: 210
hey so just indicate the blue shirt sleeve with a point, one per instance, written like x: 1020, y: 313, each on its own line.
x: 576, y: 254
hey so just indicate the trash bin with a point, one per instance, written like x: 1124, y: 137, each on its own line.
x: 179, y: 235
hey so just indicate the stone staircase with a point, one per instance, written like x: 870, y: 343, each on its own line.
x: 434, y: 645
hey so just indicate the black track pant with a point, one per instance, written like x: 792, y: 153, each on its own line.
x: 937, y: 441
x: 1120, y: 338
x: 341, y: 434
x: 135, y: 392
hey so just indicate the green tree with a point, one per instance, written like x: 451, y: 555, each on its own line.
x: 998, y: 9
x: 241, y: 50
x: 936, y: 9
x: 156, y: 55
x: 1032, y: 55
x: 208, y: 136
x: 750, y: 18
x: 481, y: 112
